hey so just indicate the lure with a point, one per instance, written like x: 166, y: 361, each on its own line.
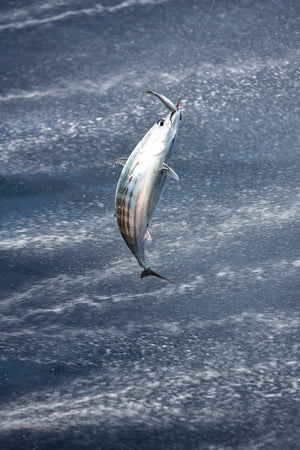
x: 142, y: 180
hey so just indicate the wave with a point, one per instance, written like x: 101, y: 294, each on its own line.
x: 97, y: 9
x: 61, y: 233
x: 17, y: 307
x: 157, y: 396
x: 100, y: 86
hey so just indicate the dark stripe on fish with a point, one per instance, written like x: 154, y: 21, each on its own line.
x: 124, y: 211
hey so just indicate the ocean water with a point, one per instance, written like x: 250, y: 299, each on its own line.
x: 91, y: 356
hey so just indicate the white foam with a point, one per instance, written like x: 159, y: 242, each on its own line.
x: 61, y: 233
x: 100, y: 86
x: 97, y: 9
x: 158, y: 396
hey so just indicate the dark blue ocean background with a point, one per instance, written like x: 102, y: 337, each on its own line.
x: 91, y: 356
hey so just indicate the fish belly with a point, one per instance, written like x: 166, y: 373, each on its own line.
x: 138, y: 193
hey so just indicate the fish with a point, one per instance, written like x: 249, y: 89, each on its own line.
x: 142, y: 181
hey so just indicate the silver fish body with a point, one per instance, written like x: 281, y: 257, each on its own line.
x: 141, y: 183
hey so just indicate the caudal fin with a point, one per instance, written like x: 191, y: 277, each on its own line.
x: 147, y: 272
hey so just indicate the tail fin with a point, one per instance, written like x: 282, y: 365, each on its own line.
x: 147, y: 272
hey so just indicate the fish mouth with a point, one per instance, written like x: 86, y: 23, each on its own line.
x: 177, y: 107
x: 175, y: 116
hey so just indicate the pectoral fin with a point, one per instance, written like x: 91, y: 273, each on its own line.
x: 121, y: 161
x: 171, y: 172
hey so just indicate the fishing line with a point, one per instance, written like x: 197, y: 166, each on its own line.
x: 195, y: 46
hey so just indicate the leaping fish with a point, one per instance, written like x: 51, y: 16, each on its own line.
x: 142, y: 180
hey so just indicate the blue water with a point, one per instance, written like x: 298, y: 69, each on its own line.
x: 91, y: 356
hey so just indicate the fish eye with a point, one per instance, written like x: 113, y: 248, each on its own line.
x: 161, y: 122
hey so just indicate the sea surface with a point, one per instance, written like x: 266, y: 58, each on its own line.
x: 91, y: 356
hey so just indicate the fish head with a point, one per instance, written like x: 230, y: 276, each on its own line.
x: 165, y: 129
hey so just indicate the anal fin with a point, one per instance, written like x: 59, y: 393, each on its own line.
x: 147, y: 236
